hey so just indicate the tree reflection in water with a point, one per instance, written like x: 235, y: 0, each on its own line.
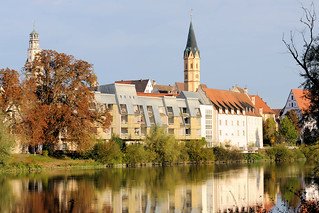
x: 201, y: 188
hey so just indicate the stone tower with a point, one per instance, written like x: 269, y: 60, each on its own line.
x: 191, y: 62
x: 34, y: 46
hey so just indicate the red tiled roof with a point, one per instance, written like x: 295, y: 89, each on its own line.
x: 231, y: 100
x: 302, y: 102
x: 155, y: 94
x: 259, y: 103
x: 180, y: 86
x: 277, y: 111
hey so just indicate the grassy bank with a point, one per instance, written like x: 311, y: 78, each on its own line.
x: 39, y: 162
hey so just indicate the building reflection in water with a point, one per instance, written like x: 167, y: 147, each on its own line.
x: 174, y: 189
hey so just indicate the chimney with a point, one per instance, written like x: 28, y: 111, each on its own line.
x: 246, y: 91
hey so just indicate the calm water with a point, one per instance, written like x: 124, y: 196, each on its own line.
x: 212, y: 188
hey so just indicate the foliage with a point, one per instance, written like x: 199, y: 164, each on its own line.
x: 10, y: 95
x: 58, y: 100
x: 279, y: 153
x: 293, y: 117
x: 135, y: 153
x: 6, y: 141
x: 311, y: 152
x: 288, y: 131
x: 310, y: 137
x: 116, y: 139
x: 269, y: 130
x: 222, y: 154
x: 197, y: 152
x: 107, y: 152
x: 161, y: 146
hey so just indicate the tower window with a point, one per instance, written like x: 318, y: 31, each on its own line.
x: 191, y: 66
x: 196, y: 66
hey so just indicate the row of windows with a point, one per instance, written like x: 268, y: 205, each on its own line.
x: 232, y: 123
x: 191, y: 66
x: 226, y: 134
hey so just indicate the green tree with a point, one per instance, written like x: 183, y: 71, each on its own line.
x: 288, y: 131
x: 6, y: 141
x: 162, y: 147
x: 293, y: 116
x: 269, y: 131
x: 107, y: 152
x: 135, y: 153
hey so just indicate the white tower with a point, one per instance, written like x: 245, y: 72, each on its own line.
x: 34, y: 45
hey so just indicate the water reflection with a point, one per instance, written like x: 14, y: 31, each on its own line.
x: 162, y: 189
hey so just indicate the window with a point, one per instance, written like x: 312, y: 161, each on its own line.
x: 170, y: 120
x: 243, y: 132
x: 196, y: 66
x: 191, y: 65
x: 226, y: 122
x: 292, y: 97
x: 237, y: 123
x: 243, y: 123
x: 232, y: 123
x: 220, y: 132
x: 220, y: 122
x: 170, y: 110
x: 185, y: 65
x: 188, y: 131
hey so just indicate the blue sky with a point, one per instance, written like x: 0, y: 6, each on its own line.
x: 240, y: 41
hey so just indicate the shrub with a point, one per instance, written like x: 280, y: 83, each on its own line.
x: 135, y: 153
x: 6, y: 142
x: 255, y: 156
x: 279, y: 153
x: 197, y: 152
x: 311, y: 152
x: 45, y: 153
x: 161, y: 146
x: 107, y: 152
x: 222, y: 154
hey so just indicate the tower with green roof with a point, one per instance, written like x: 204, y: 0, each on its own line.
x: 191, y: 62
x: 34, y: 45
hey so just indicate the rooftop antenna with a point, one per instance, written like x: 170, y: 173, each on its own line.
x: 33, y: 25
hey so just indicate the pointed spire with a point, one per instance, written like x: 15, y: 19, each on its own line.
x: 191, y: 41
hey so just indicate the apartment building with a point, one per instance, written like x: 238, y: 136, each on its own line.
x: 134, y: 113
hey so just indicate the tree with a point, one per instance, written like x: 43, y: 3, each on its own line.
x: 58, y: 100
x: 6, y: 141
x: 308, y: 60
x: 269, y: 130
x: 10, y: 94
x: 288, y: 131
x: 293, y: 117
x: 163, y: 147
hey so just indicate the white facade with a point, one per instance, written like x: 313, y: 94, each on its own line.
x: 208, y: 123
x: 232, y: 130
x: 34, y: 46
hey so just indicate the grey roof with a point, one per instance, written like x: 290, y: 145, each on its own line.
x: 187, y: 94
x: 191, y: 44
x: 140, y: 85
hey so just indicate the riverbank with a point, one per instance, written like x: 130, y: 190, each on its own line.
x: 30, y: 162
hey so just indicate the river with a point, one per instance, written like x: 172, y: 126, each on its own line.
x: 204, y: 188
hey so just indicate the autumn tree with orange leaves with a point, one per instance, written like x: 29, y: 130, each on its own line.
x: 58, y: 101
x: 10, y: 96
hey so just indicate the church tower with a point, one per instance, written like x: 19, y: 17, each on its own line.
x: 34, y: 45
x: 191, y: 62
